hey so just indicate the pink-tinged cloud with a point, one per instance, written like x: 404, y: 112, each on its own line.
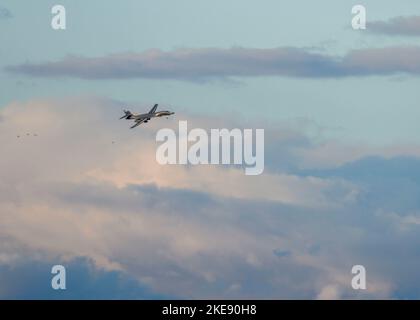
x: 215, y: 63
x: 384, y: 61
x: 79, y: 143
x: 201, y: 232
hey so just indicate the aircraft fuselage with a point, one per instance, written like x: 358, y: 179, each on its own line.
x: 151, y: 115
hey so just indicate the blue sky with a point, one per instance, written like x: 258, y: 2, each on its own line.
x: 340, y: 113
x: 377, y: 110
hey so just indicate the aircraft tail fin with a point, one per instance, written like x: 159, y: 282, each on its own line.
x: 153, y: 110
x: 127, y: 113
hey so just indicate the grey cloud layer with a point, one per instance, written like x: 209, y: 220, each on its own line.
x: 213, y: 63
x: 29, y: 279
x: 406, y: 26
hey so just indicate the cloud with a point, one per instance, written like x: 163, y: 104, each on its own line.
x: 334, y: 154
x: 5, y: 13
x: 105, y: 164
x: 397, y: 177
x: 329, y: 293
x: 69, y: 193
x: 213, y: 63
x: 282, y: 253
x: 31, y: 279
x: 398, y: 26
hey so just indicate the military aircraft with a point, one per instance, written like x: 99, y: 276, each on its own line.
x: 145, y: 117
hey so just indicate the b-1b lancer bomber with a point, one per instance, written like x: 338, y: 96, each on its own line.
x: 145, y: 117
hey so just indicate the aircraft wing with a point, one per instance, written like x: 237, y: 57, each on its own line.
x: 153, y: 110
x: 138, y: 122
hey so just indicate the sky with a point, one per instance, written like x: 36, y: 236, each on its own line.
x: 342, y: 171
